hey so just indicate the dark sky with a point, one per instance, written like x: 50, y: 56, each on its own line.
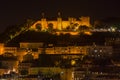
x: 17, y: 11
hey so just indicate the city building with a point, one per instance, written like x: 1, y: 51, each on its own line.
x: 35, y: 49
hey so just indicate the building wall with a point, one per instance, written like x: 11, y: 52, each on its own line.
x: 66, y: 74
x: 10, y: 50
x: 30, y: 45
x: 66, y: 50
x: 1, y: 48
x: 101, y: 50
x: 61, y: 24
x: 29, y: 48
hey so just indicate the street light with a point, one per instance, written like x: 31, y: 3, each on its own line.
x: 73, y: 62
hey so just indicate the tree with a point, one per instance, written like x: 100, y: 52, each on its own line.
x: 38, y: 27
x: 28, y: 57
x: 50, y: 27
x: 68, y: 28
x: 24, y: 72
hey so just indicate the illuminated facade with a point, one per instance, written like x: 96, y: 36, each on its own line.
x: 9, y: 63
x: 37, y: 48
x: 60, y: 24
x: 31, y: 51
x: 66, y: 50
x: 1, y: 48
x: 65, y: 74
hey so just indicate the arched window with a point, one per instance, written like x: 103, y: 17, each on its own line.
x: 38, y: 27
x: 50, y: 26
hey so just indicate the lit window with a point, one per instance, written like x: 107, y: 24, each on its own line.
x: 101, y: 51
x: 95, y: 50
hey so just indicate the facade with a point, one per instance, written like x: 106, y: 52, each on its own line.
x: 98, y: 51
x: 8, y: 62
x: 96, y: 73
x: 31, y: 51
x: 66, y: 50
x: 1, y: 48
x: 65, y: 74
x: 37, y: 48
x: 113, y: 41
x: 60, y: 24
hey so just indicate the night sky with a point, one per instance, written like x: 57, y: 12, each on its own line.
x: 17, y: 11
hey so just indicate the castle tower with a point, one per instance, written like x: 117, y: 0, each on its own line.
x: 43, y: 22
x: 85, y: 21
x: 59, y: 21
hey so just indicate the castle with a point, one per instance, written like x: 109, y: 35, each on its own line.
x: 60, y: 24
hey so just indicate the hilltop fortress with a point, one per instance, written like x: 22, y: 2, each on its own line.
x: 60, y: 24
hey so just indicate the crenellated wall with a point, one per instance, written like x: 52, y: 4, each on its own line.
x: 60, y: 24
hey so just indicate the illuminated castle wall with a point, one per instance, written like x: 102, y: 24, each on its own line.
x: 60, y: 24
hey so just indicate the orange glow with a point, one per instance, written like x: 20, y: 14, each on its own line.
x: 71, y: 33
x: 62, y: 24
x: 88, y: 33
x: 1, y: 48
x: 73, y: 62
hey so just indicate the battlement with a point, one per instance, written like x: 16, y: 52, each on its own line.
x: 60, y: 24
